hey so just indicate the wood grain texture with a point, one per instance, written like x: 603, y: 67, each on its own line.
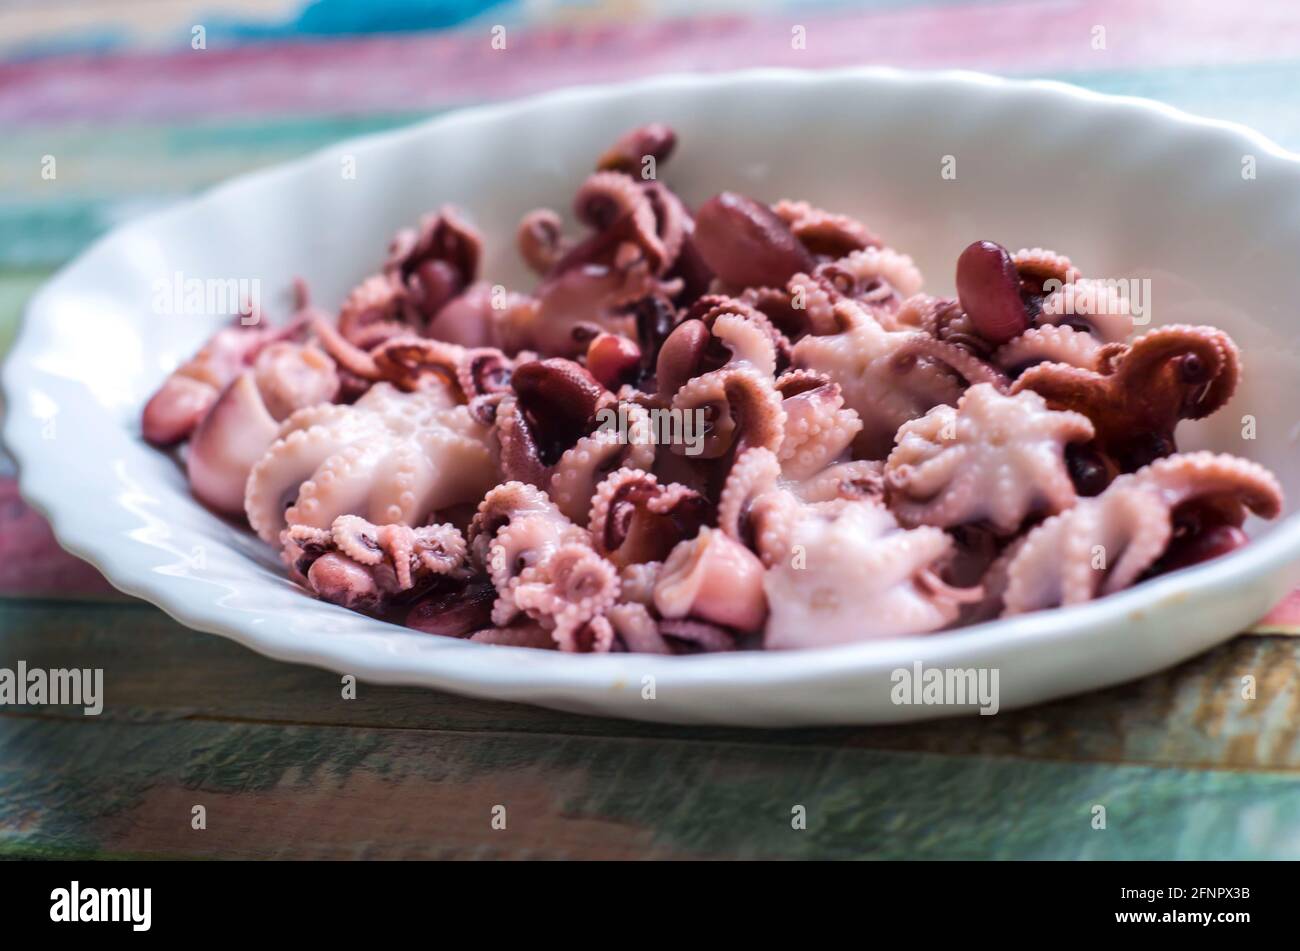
x: 1192, y: 717
x: 116, y: 789
x: 285, y: 768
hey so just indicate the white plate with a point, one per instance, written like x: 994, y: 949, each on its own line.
x: 1127, y: 188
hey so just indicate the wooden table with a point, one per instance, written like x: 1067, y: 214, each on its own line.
x: 285, y: 767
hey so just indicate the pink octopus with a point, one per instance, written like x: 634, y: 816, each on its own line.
x: 738, y: 426
x: 1175, y: 512
x: 889, y: 376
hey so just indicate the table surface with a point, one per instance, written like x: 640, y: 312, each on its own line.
x: 284, y: 766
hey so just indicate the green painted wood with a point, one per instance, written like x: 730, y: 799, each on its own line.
x: 1191, y: 717
x: 111, y: 173
x: 110, y: 789
x: 16, y: 287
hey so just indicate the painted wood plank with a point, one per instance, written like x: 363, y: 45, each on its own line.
x: 31, y: 561
x: 15, y: 289
x: 434, y: 70
x: 1191, y: 717
x: 115, y: 789
x: 111, y: 172
x: 44, y: 27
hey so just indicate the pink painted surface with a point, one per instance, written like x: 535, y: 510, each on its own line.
x: 1283, y: 619
x: 31, y: 562
x: 429, y: 71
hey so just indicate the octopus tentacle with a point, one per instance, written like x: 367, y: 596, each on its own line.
x: 819, y: 428
x: 583, y: 635
x: 713, y: 578
x: 434, y: 262
x: 672, y: 221
x: 636, y: 630
x: 189, y: 392
x: 570, y: 588
x: 275, y: 479
x: 961, y: 361
x: 237, y: 430
x: 637, y: 582
x: 614, y: 203
x: 1197, y: 475
x: 636, y: 519
x: 755, y: 472
x: 516, y: 527
x: 630, y: 150
x: 540, y: 240
x: 574, y: 478
x: 373, y: 311
x: 859, y: 479
x: 719, y: 313
x: 523, y: 543
x: 813, y: 297
x: 741, y: 407
x: 483, y: 371
x: 889, y: 377
x: 411, y: 364
x: 504, y: 504
x: 689, y: 636
x: 438, y: 549
x: 1049, y: 343
x: 521, y: 457
x: 1218, y: 358
x: 1138, y: 393
x: 719, y: 332
x: 748, y: 344
x: 823, y: 232
x: 1095, y: 305
x: 385, y: 560
x: 520, y: 634
x: 943, y: 319
x: 1109, y: 542
x: 348, y: 355
x: 878, y: 277
x: 1037, y: 266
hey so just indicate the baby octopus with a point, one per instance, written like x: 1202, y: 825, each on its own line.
x: 739, y: 425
